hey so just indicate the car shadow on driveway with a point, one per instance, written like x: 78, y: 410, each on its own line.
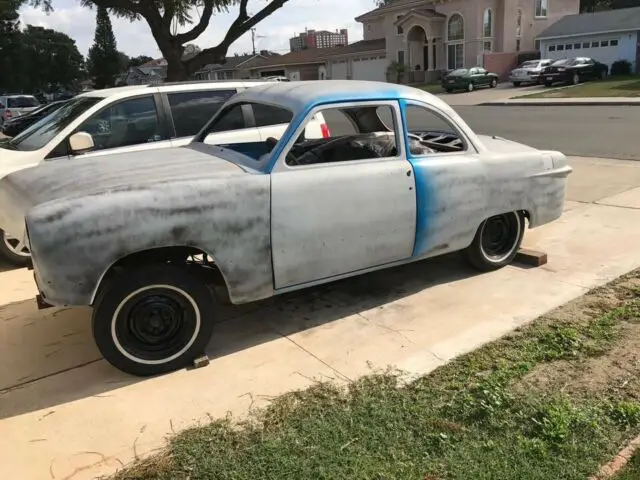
x: 49, y: 357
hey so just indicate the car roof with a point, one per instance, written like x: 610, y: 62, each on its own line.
x: 17, y: 95
x: 297, y: 96
x: 171, y: 87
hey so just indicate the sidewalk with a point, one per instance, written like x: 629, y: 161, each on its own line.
x: 65, y: 413
x: 584, y: 101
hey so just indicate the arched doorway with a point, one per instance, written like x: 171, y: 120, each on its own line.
x: 418, y: 47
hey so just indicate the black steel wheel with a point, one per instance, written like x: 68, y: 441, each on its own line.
x: 153, y: 320
x: 497, y: 241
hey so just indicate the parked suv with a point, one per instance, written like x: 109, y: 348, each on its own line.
x: 12, y: 106
x: 135, y: 118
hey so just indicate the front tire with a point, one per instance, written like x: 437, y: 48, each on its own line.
x: 494, y: 83
x: 547, y: 84
x: 13, y: 251
x: 153, y: 320
x: 496, y: 242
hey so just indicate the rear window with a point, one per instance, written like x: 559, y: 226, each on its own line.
x: 530, y: 63
x: 192, y: 110
x: 22, y: 102
x: 459, y: 71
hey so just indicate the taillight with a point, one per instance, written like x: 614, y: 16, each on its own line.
x: 324, y: 128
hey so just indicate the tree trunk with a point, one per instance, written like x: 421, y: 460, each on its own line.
x: 176, y: 70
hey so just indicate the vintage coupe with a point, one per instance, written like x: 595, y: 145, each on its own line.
x: 149, y: 239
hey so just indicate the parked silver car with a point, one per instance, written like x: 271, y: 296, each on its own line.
x: 12, y: 106
x: 528, y: 72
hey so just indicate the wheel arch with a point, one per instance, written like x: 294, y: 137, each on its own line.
x: 212, y: 273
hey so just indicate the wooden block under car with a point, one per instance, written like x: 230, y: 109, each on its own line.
x: 533, y: 258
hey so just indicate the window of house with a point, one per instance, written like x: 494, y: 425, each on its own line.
x: 401, y: 57
x: 542, y: 7
x: 365, y: 132
x: 517, y: 45
x: 368, y: 27
x: 568, y: 46
x: 577, y: 46
x: 552, y: 48
x: 604, y: 43
x: 519, y: 23
x: 399, y: 29
x: 595, y: 44
x: 536, y: 45
x: 455, y: 45
x: 585, y: 45
x: 560, y: 48
x: 127, y: 123
x: 488, y: 23
x: 614, y: 43
x: 487, y: 46
x: 192, y: 110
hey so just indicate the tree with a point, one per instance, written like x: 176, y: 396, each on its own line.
x: 139, y: 60
x: 598, y: 5
x: 162, y: 15
x: 49, y: 60
x: 9, y: 45
x: 123, y: 62
x: 104, y: 60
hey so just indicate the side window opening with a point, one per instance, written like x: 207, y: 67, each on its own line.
x: 357, y: 133
x: 232, y: 118
x: 126, y: 123
x: 268, y: 115
x: 192, y: 110
x: 425, y: 128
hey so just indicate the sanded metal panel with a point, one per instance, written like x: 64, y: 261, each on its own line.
x: 337, y: 218
x: 84, y: 216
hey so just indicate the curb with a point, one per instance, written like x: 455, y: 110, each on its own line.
x: 558, y: 104
x: 618, y: 462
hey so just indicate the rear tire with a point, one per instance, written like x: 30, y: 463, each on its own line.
x: 153, y: 320
x: 13, y: 251
x: 547, y: 84
x: 471, y: 87
x: 496, y: 242
x: 516, y: 84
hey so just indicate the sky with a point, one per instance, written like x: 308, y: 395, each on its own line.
x: 273, y: 33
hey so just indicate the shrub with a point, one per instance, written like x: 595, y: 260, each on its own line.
x: 621, y: 67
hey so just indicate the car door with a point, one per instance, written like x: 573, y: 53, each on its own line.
x: 127, y: 125
x: 189, y: 111
x: 587, y: 68
x: 343, y: 209
x: 483, y: 75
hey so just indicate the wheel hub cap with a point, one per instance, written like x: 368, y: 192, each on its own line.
x: 14, y: 245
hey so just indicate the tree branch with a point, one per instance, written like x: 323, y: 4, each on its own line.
x: 119, y: 5
x: 242, y: 24
x: 202, y: 25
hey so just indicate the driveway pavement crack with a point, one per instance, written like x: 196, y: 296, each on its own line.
x: 339, y: 373
x: 53, y: 374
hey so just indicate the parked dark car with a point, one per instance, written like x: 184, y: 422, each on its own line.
x: 573, y: 71
x: 469, y: 79
x: 13, y: 127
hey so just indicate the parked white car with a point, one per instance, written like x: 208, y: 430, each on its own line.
x: 528, y: 72
x: 13, y: 106
x: 136, y: 119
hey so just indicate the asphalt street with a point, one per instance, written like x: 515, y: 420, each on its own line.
x: 609, y: 132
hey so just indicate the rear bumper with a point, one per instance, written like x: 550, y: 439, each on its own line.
x: 524, y: 78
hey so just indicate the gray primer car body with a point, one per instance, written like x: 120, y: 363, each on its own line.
x: 271, y: 227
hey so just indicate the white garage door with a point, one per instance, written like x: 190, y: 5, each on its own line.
x: 604, y: 51
x: 339, y: 71
x: 373, y: 68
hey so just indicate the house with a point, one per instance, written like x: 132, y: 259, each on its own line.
x: 363, y: 60
x: 143, y: 75
x: 605, y: 36
x: 428, y: 37
x: 236, y: 67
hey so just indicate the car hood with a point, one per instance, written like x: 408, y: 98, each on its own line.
x: 69, y: 178
x: 502, y: 145
x: 14, y: 160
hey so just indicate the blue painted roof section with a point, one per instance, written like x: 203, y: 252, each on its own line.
x: 299, y: 96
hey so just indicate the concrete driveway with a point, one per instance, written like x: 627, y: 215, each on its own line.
x: 66, y: 414
x: 503, y: 91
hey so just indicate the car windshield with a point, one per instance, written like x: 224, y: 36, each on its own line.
x: 22, y: 102
x: 562, y: 61
x: 45, y: 129
x: 529, y: 64
x: 459, y: 71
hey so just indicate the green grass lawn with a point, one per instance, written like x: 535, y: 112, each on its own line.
x: 611, y: 87
x: 434, y: 88
x: 554, y: 400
